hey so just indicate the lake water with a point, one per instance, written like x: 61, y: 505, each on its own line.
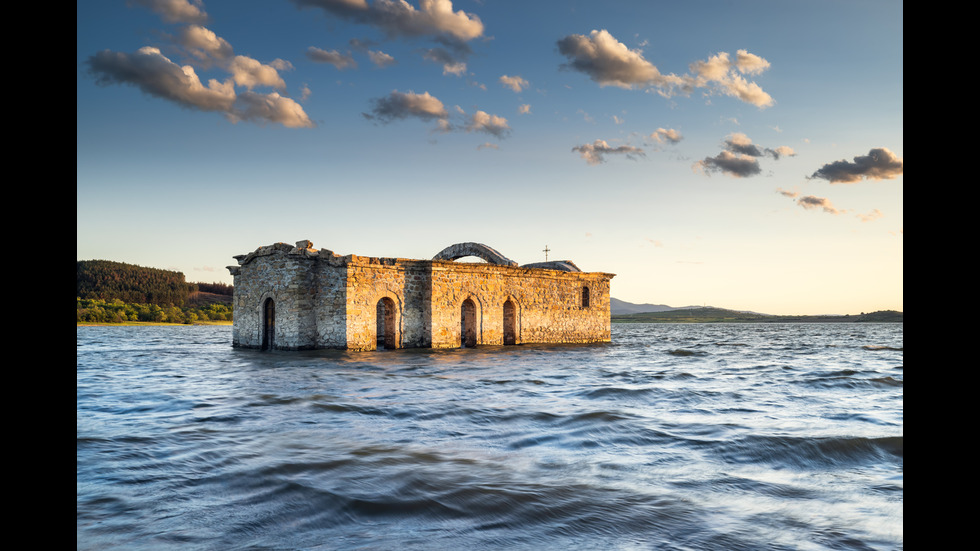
x: 673, y: 437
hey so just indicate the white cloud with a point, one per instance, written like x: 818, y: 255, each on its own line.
x: 490, y: 124
x: 203, y: 44
x: 662, y: 135
x: 610, y: 63
x: 270, y: 108
x: 737, y: 165
x: 606, y: 60
x: 176, y: 11
x: 595, y: 152
x: 879, y: 164
x: 158, y: 76
x: 515, y: 83
x: 380, y: 58
x: 250, y: 73
x: 401, y: 105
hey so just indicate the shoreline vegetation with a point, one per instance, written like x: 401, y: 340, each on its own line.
x: 108, y: 292
x: 114, y: 293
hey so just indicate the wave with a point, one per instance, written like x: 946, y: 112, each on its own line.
x: 813, y: 453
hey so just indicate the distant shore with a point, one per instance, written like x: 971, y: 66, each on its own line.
x: 720, y: 315
x: 144, y: 323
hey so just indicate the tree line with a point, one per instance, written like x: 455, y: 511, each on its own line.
x: 116, y: 311
x: 115, y: 292
x: 107, y: 280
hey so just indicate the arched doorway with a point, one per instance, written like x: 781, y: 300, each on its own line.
x: 467, y: 327
x: 386, y: 324
x: 510, y: 322
x: 268, y: 324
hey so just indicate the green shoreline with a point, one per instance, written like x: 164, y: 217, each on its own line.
x: 100, y: 324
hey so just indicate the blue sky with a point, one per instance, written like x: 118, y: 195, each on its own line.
x: 747, y: 155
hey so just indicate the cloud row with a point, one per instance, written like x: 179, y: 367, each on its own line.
x: 594, y: 153
x: 740, y: 158
x: 426, y: 107
x: 812, y: 202
x: 609, y: 62
x: 155, y: 74
x: 434, y: 19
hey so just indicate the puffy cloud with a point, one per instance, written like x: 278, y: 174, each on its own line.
x: 176, y: 11
x: 740, y: 157
x: 749, y: 92
x: 270, y: 108
x: 397, y: 17
x: 811, y: 202
x: 515, y: 83
x: 595, y: 152
x: 158, y: 76
x: 879, y: 164
x: 380, y: 58
x: 782, y: 151
x: 401, y: 105
x: 203, y: 44
x: 610, y: 63
x: 250, y: 73
x: 434, y: 19
x: 739, y: 166
x: 333, y: 57
x: 606, y: 60
x: 742, y: 144
x: 490, y: 124
x: 662, y: 135
x: 524, y: 108
x: 750, y: 64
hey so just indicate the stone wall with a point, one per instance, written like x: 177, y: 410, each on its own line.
x: 323, y: 300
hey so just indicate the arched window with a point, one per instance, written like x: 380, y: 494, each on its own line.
x: 585, y: 297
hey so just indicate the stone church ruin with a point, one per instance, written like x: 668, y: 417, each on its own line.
x: 297, y: 297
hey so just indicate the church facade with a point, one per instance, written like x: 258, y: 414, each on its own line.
x: 298, y: 297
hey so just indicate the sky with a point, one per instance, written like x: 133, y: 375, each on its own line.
x: 746, y: 155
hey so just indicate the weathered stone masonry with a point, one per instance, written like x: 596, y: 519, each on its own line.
x: 297, y: 297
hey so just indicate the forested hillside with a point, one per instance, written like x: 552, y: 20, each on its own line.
x: 107, y: 280
x: 115, y: 292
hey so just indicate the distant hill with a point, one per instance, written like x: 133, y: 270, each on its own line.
x: 720, y: 315
x: 618, y: 307
x: 107, y: 280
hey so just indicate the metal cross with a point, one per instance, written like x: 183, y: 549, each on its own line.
x: 546, y: 249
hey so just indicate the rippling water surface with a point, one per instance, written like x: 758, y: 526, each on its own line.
x: 687, y: 436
